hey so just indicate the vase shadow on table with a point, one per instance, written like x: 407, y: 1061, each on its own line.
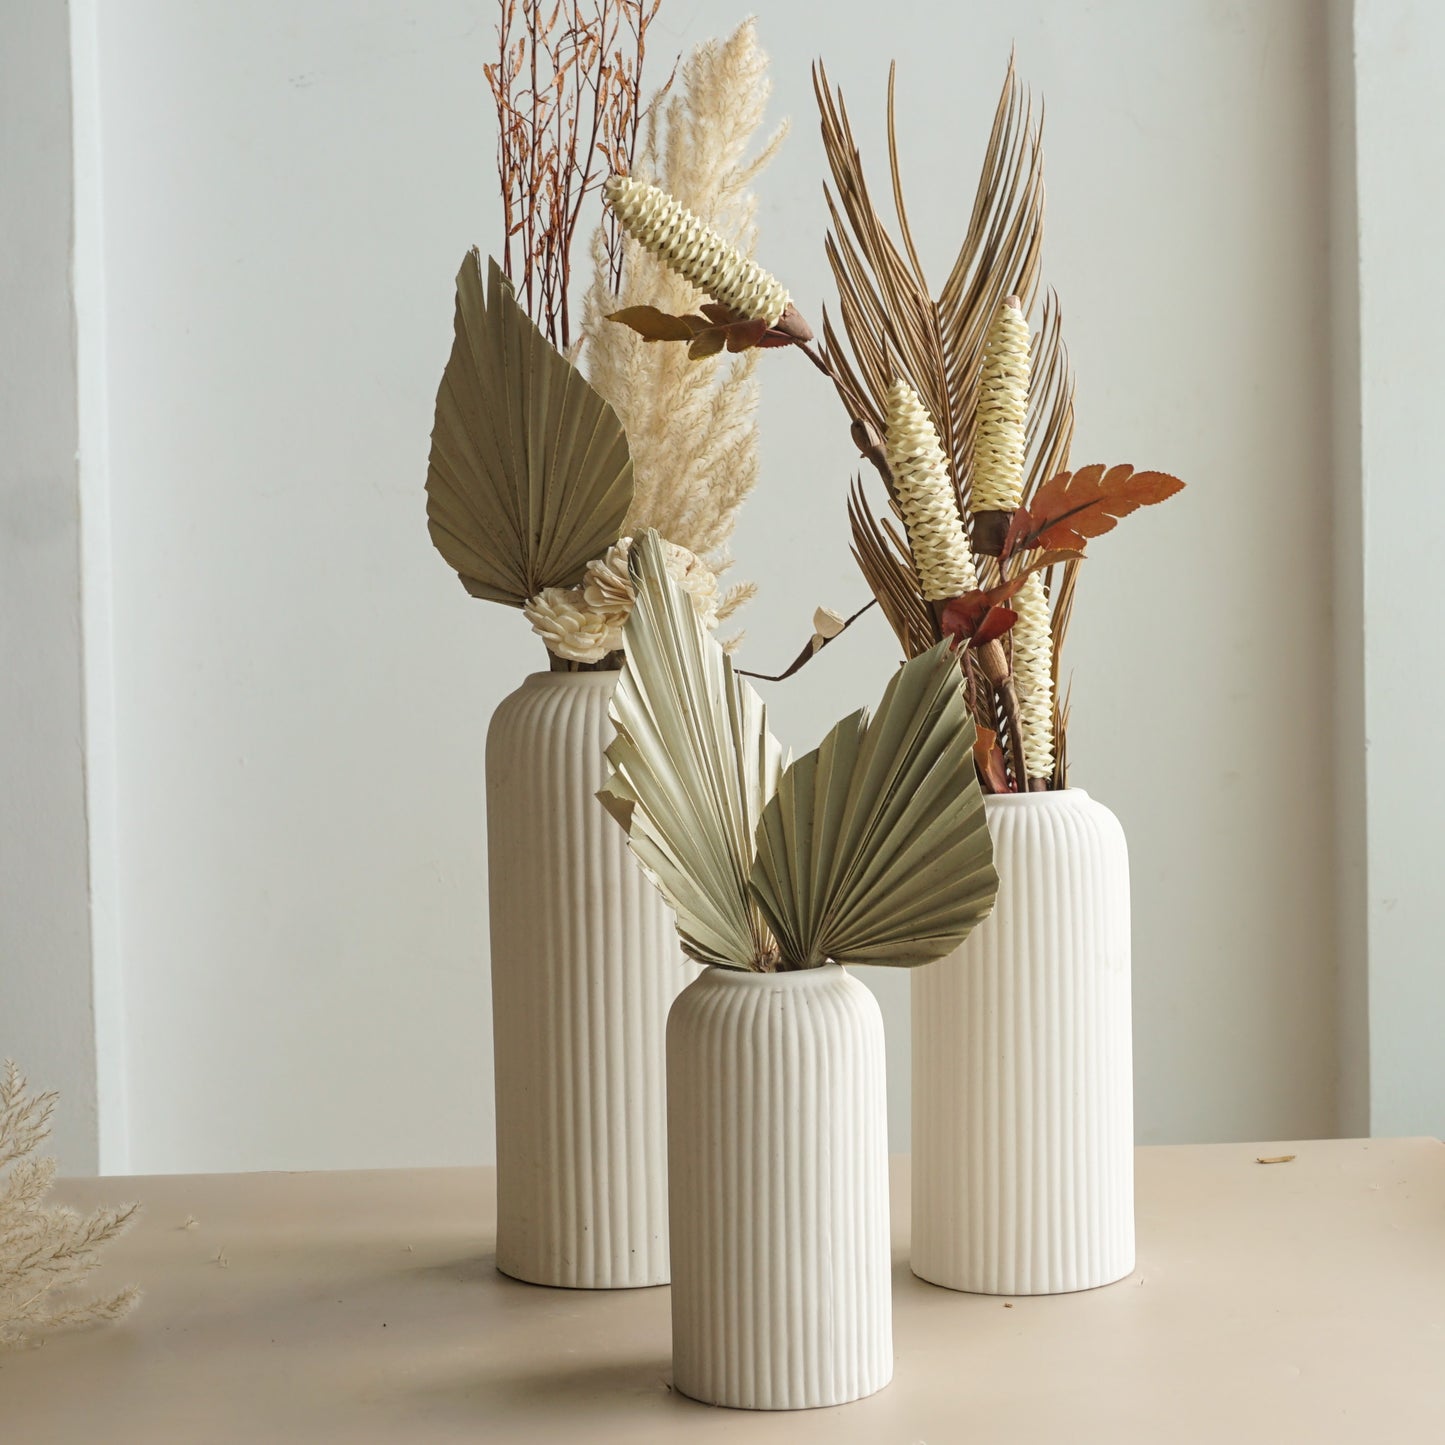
x: 466, y: 1269
x: 566, y: 1392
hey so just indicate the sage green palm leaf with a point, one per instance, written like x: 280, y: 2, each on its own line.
x: 876, y: 848
x: 530, y: 476
x: 693, y: 766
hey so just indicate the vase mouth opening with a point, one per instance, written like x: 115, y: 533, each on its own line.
x: 755, y: 978
x: 603, y: 677
x: 1036, y: 800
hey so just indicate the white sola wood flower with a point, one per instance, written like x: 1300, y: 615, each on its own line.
x: 1033, y: 670
x: 695, y: 251
x: 584, y: 623
x: 571, y: 628
x: 925, y: 493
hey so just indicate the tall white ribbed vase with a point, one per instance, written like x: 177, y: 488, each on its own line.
x: 1023, y: 1114
x: 585, y: 965
x: 778, y: 1142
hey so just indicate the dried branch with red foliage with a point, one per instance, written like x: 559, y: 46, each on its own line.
x: 566, y: 84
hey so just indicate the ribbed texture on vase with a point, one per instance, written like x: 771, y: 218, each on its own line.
x: 1023, y: 1112
x: 778, y: 1137
x: 585, y: 965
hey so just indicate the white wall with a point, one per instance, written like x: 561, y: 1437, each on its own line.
x: 1400, y: 140
x: 301, y: 689
x: 45, y: 954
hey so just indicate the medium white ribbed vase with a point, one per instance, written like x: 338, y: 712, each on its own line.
x: 585, y: 965
x: 778, y: 1142
x: 1023, y: 1110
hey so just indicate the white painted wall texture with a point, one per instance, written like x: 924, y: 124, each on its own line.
x: 1400, y: 155
x: 301, y: 689
x: 45, y: 955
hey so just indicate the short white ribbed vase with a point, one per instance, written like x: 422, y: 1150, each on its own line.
x: 585, y: 965
x: 778, y: 1145
x: 1023, y: 1112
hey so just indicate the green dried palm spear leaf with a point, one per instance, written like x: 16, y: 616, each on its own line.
x: 530, y: 476
x: 876, y: 848
x: 693, y: 766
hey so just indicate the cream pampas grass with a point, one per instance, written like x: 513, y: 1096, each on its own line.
x: 45, y: 1250
x: 926, y: 496
x: 690, y: 423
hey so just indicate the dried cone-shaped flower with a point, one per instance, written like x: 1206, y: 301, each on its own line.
x: 925, y: 493
x: 1003, y: 396
x: 1033, y: 671
x: 695, y: 251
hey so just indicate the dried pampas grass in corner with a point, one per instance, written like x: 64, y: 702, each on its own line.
x: 45, y: 1250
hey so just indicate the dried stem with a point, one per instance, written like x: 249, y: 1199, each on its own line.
x: 566, y: 85
x: 811, y: 649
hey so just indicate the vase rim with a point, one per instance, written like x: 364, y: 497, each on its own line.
x: 1021, y: 800
x: 596, y: 678
x: 753, y: 978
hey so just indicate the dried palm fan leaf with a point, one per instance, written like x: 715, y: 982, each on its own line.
x: 892, y: 323
x: 883, y: 559
x: 693, y: 765
x: 529, y: 477
x: 876, y: 848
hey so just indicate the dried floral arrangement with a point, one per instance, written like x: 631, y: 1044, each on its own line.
x: 872, y: 848
x: 550, y: 451
x: 45, y: 1250
x: 966, y: 416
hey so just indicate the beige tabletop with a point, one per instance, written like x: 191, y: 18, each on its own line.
x: 1299, y: 1302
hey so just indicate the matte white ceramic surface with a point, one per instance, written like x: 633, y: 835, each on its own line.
x: 1023, y: 1123
x: 777, y: 1132
x: 585, y: 964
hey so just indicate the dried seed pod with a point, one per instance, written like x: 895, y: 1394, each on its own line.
x: 925, y: 493
x: 1033, y: 674
x: 695, y: 251
x: 999, y: 442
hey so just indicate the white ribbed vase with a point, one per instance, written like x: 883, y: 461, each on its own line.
x: 1023, y: 1110
x: 778, y: 1140
x: 585, y: 965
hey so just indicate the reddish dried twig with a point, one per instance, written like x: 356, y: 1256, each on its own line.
x: 566, y: 85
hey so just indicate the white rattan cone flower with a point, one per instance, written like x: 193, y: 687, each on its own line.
x: 695, y: 251
x: 1033, y: 670
x: 936, y: 537
x: 1003, y: 396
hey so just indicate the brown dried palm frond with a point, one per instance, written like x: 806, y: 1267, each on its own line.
x: 883, y: 558
x: 1061, y: 596
x: 1050, y: 429
x: 892, y: 323
x: 1061, y: 733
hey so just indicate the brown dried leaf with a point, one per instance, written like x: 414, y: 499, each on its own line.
x: 654, y: 325
x: 1072, y: 507
x: 989, y: 759
x: 707, y: 343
